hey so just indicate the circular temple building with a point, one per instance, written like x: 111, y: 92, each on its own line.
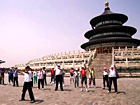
x: 108, y: 31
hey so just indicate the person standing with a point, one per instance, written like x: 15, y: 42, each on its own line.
x: 10, y: 76
x: 32, y: 77
x: 76, y: 82
x: 71, y: 75
x: 15, y: 77
x: 44, y: 74
x: 40, y: 78
x: 2, y: 76
x: 84, y: 78
x: 91, y: 76
x: 58, y: 72
x: 35, y: 76
x: 63, y: 73
x: 105, y: 77
x: 52, y: 76
x: 27, y: 85
x: 112, y: 77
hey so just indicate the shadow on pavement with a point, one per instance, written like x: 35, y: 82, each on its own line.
x: 66, y: 85
x: 91, y: 91
x: 49, y: 85
x: 47, y: 88
x: 39, y: 101
x: 67, y: 90
x: 121, y: 93
x: 98, y: 87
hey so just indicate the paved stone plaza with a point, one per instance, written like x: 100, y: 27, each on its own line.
x: 128, y: 88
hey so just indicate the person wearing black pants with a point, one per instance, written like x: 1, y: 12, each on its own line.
x: 15, y: 81
x: 105, y: 79
x: 27, y: 85
x: 15, y: 77
x: 112, y: 77
x: 40, y: 78
x: 2, y: 75
x: 44, y: 75
x: 41, y: 81
x: 58, y: 78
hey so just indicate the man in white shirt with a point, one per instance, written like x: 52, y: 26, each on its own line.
x: 112, y: 77
x: 58, y: 72
x: 27, y: 84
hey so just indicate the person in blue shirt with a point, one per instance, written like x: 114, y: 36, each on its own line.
x: 10, y: 76
x: 15, y: 77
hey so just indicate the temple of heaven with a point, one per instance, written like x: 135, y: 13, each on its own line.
x: 108, y: 31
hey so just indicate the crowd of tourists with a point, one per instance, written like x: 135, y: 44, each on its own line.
x: 57, y: 77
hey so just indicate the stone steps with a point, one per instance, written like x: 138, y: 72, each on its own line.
x: 101, y: 61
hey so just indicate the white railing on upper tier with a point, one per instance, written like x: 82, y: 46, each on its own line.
x: 126, y: 58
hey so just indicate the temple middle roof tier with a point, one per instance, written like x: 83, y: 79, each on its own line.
x: 109, y: 40
x: 110, y: 28
x: 108, y: 15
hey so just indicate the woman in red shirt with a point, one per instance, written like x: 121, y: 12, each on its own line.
x: 71, y: 75
x: 84, y: 78
x: 52, y: 76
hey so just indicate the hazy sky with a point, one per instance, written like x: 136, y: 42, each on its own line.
x: 31, y: 29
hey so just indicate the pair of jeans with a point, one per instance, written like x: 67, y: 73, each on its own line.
x: 52, y: 78
x: 76, y: 81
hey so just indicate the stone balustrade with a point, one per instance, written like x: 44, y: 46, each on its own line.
x: 127, y: 58
x: 66, y: 60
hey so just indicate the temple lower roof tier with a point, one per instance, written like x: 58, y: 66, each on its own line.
x: 129, y: 41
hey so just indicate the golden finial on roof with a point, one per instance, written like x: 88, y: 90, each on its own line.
x: 106, y: 4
